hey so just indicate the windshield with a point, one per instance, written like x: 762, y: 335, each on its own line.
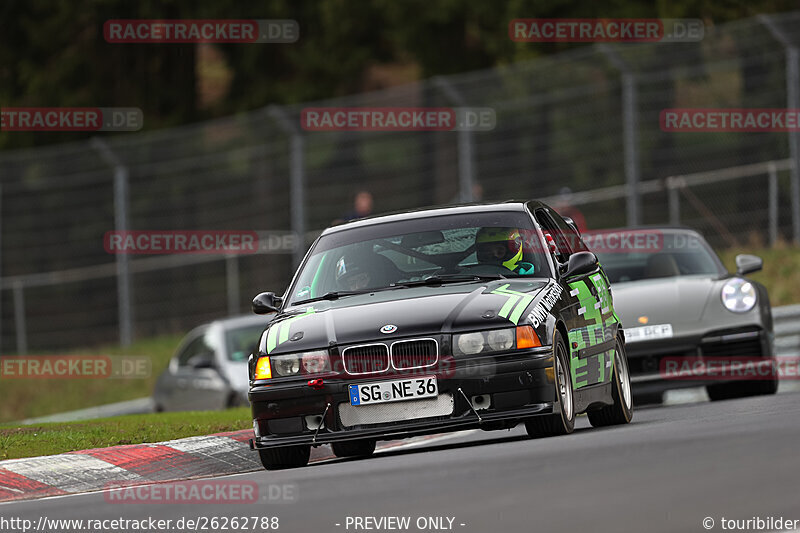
x: 241, y: 342
x: 390, y: 254
x: 632, y: 255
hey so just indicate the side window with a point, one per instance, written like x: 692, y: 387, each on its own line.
x: 197, y: 346
x: 554, y: 236
x: 571, y: 236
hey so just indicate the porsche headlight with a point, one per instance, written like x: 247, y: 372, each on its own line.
x: 495, y: 340
x: 739, y: 295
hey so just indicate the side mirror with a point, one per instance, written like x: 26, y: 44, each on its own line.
x: 746, y: 263
x: 571, y: 223
x: 266, y: 302
x: 202, y: 360
x: 580, y: 264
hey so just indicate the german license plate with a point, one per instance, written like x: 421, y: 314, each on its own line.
x: 393, y: 391
x: 646, y: 333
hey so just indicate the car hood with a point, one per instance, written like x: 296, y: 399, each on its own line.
x: 664, y: 300
x: 412, y: 311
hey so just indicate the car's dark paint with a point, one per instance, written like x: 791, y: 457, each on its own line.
x: 520, y: 382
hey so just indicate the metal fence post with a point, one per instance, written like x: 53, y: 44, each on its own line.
x: 792, y: 102
x: 120, y: 224
x: 297, y: 178
x: 772, y: 193
x: 674, y: 201
x: 630, y: 125
x: 19, y: 319
x: 466, y: 145
x: 232, y: 284
x: 1, y: 269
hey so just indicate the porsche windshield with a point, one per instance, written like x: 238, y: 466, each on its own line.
x: 632, y: 255
x: 393, y: 253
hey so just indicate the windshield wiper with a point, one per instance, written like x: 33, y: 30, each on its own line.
x: 450, y: 278
x: 333, y: 295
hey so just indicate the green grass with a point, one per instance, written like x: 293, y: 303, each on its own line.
x: 781, y: 273
x: 28, y: 398
x: 54, y: 438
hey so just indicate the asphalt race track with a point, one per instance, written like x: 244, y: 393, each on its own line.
x: 667, y: 471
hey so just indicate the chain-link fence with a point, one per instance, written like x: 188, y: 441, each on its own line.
x: 587, y: 120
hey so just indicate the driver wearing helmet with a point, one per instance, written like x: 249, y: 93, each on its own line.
x: 351, y: 273
x: 502, y: 247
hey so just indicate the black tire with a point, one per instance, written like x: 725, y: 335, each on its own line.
x: 236, y: 400
x: 621, y: 411
x: 742, y: 389
x: 353, y: 448
x: 288, y: 457
x: 648, y: 398
x: 563, y: 421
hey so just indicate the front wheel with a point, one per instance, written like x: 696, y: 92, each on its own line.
x: 621, y: 411
x: 562, y: 422
x: 353, y: 448
x: 288, y: 457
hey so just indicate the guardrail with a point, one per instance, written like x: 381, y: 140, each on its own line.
x: 787, y: 329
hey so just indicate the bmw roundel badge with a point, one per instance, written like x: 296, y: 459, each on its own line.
x: 389, y: 328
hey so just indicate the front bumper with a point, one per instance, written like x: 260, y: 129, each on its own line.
x: 693, y: 360
x: 516, y: 388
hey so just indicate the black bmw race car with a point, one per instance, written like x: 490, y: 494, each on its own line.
x: 478, y: 316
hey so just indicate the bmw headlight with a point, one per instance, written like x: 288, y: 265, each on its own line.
x: 308, y: 363
x: 739, y: 295
x: 285, y: 365
x: 469, y: 343
x: 495, y: 340
x: 500, y: 340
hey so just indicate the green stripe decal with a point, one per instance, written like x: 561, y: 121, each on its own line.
x: 515, y: 316
x: 281, y: 330
x: 506, y: 309
x: 272, y: 338
x: 520, y: 299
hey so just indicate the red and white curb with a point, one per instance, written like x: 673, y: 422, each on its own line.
x: 141, y: 464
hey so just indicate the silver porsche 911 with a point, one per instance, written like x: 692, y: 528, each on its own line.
x: 688, y: 322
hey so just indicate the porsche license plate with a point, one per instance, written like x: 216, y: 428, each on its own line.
x: 393, y: 391
x: 646, y: 333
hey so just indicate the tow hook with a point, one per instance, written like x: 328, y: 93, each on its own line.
x: 316, y: 384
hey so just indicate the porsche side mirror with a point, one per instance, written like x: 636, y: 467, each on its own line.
x: 266, y: 302
x: 746, y: 263
x: 580, y: 264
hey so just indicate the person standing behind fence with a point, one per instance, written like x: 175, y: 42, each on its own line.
x: 362, y: 207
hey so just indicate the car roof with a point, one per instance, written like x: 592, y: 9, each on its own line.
x: 677, y: 229
x: 425, y: 212
x: 234, y: 322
